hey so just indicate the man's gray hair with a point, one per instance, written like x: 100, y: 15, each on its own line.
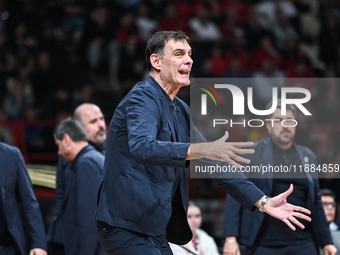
x: 157, y: 42
x: 72, y: 127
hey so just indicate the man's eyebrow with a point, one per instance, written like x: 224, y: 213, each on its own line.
x: 179, y: 49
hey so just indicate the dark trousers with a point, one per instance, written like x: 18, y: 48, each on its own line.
x: 303, y: 249
x: 55, y: 249
x: 9, y: 250
x: 117, y: 241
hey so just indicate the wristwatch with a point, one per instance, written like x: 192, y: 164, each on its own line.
x: 263, y: 202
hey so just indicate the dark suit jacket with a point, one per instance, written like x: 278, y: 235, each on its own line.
x: 55, y: 234
x: 55, y: 231
x: 246, y: 226
x: 15, y: 188
x: 82, y: 179
x: 143, y: 157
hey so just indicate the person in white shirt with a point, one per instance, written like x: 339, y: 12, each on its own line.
x: 201, y: 243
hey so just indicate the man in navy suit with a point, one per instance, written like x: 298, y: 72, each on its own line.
x: 92, y: 119
x: 81, y: 179
x: 144, y: 195
x: 20, y: 233
x: 265, y: 235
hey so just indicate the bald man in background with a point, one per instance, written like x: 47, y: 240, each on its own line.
x: 93, y: 122
x: 92, y: 119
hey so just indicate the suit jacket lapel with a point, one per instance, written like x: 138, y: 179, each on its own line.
x: 69, y: 179
x: 269, y: 157
x: 305, y: 160
x: 3, y: 174
x: 166, y: 103
x: 3, y: 161
x: 70, y: 174
x: 268, y: 160
x: 170, y: 123
x: 166, y: 108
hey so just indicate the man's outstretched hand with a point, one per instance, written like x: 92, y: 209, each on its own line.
x: 221, y: 150
x: 280, y: 209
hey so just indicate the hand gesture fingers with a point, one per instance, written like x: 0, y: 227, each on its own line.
x: 242, y: 145
x: 288, y: 191
x: 237, y: 145
x: 296, y: 222
x: 291, y: 220
x: 290, y: 225
x: 280, y: 209
x: 303, y: 210
x: 222, y: 150
x: 238, y: 158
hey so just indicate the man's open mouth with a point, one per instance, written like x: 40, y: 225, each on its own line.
x: 184, y: 72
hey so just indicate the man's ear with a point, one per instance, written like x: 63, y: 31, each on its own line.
x: 67, y: 139
x: 155, y: 61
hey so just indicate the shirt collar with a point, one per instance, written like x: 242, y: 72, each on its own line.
x: 333, y: 226
x: 161, y: 92
x: 98, y: 146
x: 73, y: 163
x: 278, y: 149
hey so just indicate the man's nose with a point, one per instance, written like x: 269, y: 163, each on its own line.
x: 189, y: 60
x: 101, y: 124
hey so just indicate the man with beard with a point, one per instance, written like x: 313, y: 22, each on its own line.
x: 265, y: 235
x: 92, y: 119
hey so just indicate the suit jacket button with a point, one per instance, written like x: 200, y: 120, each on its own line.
x: 171, y: 180
x: 168, y: 199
